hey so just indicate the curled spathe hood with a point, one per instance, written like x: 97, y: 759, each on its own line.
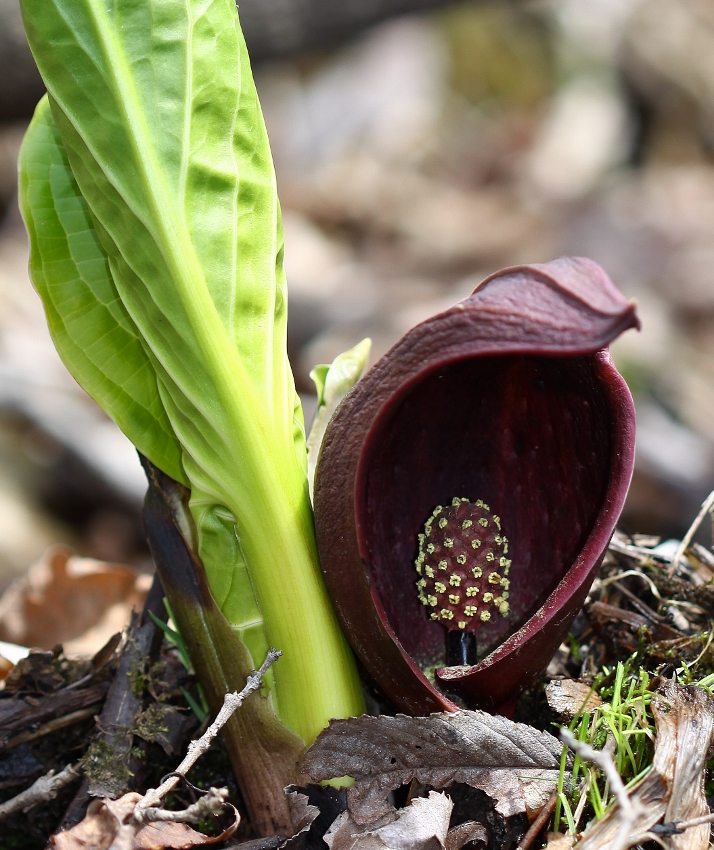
x: 509, y: 398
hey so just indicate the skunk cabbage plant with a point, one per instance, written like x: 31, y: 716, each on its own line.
x: 149, y: 195
x: 468, y: 486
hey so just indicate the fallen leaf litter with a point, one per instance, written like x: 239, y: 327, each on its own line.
x: 514, y: 766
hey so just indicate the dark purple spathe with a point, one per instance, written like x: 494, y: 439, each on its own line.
x: 510, y: 397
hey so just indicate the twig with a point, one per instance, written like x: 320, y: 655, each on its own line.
x: 43, y: 789
x: 630, y: 809
x: 54, y: 725
x: 638, y: 604
x: 706, y: 507
x: 146, y: 809
x: 197, y: 748
x: 604, y: 582
x: 210, y: 804
x: 18, y: 715
x: 538, y: 824
x: 641, y: 554
x: 675, y: 827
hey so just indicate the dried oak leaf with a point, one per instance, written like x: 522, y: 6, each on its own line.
x: 101, y: 824
x: 64, y: 596
x: 515, y: 764
x: 568, y: 697
x: 313, y: 808
x: 422, y: 825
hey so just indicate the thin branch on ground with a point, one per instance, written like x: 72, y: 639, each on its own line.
x: 538, y: 824
x: 675, y: 827
x: 210, y: 804
x: 707, y: 506
x: 53, y: 725
x: 197, y: 748
x: 42, y: 790
x: 146, y: 808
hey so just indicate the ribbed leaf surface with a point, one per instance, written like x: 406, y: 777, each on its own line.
x: 170, y: 307
x: 90, y: 326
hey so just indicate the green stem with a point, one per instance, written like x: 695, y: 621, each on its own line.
x: 317, y: 678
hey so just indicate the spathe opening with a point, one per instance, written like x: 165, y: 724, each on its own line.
x: 530, y: 435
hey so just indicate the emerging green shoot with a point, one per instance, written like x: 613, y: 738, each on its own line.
x: 149, y: 195
x: 332, y: 384
x: 623, y: 719
x: 198, y: 707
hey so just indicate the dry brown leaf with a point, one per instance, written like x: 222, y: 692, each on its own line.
x: 96, y: 831
x: 302, y: 814
x: 114, y: 619
x: 422, y: 825
x: 99, y: 828
x: 173, y: 836
x: 346, y: 834
x: 470, y: 833
x: 568, y: 697
x: 5, y: 667
x: 694, y: 709
x: 559, y: 841
x: 515, y: 764
x: 63, y: 596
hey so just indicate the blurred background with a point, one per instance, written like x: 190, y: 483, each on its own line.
x: 419, y: 147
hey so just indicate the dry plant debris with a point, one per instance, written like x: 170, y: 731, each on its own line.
x: 463, y: 779
x: 673, y: 790
x: 45, y: 788
x: 110, y: 761
x: 423, y: 825
x: 137, y: 822
x: 105, y: 822
x: 568, y: 697
x: 643, y: 653
x: 46, y: 692
x: 514, y: 764
x: 63, y: 596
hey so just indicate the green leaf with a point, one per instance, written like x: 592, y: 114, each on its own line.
x: 332, y: 383
x: 89, y: 324
x: 318, y: 375
x: 158, y: 115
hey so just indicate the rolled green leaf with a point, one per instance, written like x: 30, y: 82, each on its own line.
x: 156, y: 245
x: 332, y: 383
x: 90, y: 326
